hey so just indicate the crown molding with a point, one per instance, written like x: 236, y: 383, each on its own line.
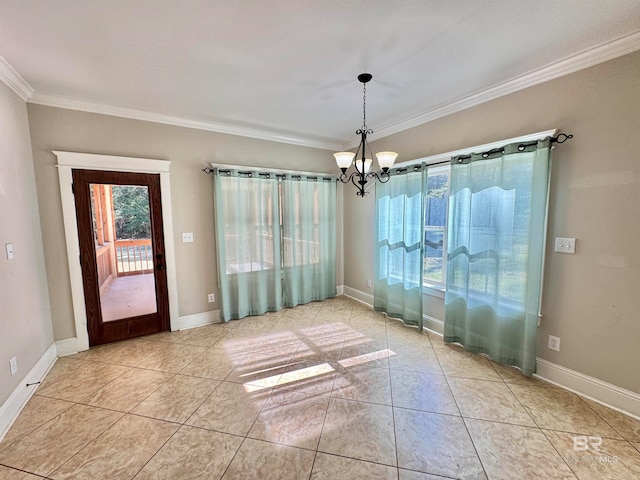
x: 585, y: 59
x: 14, y: 81
x: 135, y: 114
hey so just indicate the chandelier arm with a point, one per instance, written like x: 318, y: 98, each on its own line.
x: 345, y: 178
x: 363, y: 146
x: 367, y: 131
x: 361, y: 182
x: 382, y: 177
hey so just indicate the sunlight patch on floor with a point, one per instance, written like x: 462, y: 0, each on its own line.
x: 289, y: 377
x: 310, y: 372
x: 366, y: 357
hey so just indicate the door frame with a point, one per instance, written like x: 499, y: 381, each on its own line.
x: 68, y: 161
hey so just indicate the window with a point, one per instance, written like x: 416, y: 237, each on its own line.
x: 270, y: 224
x: 501, y: 215
x: 436, y: 213
x: 276, y: 240
x: 435, y: 234
x: 301, y: 223
x: 250, y: 218
x: 435, y: 226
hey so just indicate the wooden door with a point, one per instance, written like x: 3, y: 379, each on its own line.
x: 123, y: 271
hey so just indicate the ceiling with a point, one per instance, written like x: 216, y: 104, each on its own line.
x: 286, y: 69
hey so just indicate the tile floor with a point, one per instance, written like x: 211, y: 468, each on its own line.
x: 325, y: 391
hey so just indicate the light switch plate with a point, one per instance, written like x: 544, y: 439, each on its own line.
x: 565, y: 245
x: 187, y: 237
x: 9, y: 249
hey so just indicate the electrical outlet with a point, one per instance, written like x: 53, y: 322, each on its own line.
x: 14, y: 365
x: 211, y: 297
x: 187, y: 237
x: 554, y: 343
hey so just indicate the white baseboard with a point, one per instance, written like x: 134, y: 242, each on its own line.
x: 361, y: 297
x: 10, y: 409
x: 198, y: 320
x: 430, y: 323
x: 68, y: 346
x: 607, y: 394
x: 433, y: 324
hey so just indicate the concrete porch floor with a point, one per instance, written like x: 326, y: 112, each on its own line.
x: 129, y: 296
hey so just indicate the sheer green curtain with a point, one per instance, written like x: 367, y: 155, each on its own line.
x: 275, y: 240
x: 496, y: 238
x: 399, y: 244
x: 248, y: 243
x: 308, y: 239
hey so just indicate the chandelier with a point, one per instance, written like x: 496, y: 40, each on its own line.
x: 363, y: 156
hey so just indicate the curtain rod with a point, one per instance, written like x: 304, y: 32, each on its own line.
x: 560, y: 138
x: 209, y: 170
x: 446, y: 156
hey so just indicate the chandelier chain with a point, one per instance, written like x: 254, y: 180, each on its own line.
x: 364, y: 106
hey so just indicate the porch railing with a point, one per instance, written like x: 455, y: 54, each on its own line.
x: 103, y: 262
x: 134, y: 257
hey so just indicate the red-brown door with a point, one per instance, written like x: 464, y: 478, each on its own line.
x: 121, y: 253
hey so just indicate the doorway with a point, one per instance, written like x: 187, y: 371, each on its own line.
x: 122, y: 254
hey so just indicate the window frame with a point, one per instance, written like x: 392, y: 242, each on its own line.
x: 429, y: 283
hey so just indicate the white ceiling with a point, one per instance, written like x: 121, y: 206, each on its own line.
x: 286, y: 69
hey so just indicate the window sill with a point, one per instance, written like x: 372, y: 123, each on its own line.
x: 433, y: 290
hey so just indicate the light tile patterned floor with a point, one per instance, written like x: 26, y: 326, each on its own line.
x: 329, y: 390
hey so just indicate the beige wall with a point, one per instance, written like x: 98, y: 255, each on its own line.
x: 25, y: 319
x: 189, y: 151
x: 359, y: 222
x: 591, y: 299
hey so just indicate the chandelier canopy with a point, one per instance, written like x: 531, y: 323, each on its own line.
x: 362, y: 159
